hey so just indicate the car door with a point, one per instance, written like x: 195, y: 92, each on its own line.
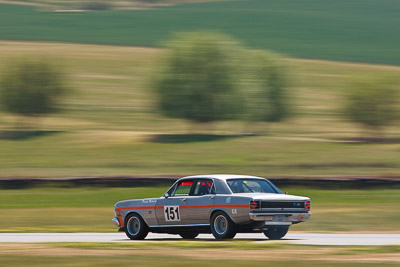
x: 200, y: 201
x: 170, y: 210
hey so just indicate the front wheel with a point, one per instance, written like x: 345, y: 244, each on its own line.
x: 135, y: 227
x: 276, y: 232
x: 222, y: 226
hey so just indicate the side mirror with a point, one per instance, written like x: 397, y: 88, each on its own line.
x: 166, y: 195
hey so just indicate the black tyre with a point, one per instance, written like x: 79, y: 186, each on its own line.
x: 135, y: 227
x: 189, y: 235
x: 222, y: 226
x: 276, y: 232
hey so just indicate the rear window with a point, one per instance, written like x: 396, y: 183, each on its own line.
x: 251, y: 186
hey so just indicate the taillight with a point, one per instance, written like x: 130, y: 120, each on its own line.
x: 254, y: 204
x: 307, y: 205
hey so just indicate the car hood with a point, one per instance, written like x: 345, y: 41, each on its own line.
x: 274, y: 197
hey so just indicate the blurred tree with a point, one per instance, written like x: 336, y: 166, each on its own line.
x: 31, y: 87
x: 372, y: 102
x: 266, y: 82
x: 200, y: 80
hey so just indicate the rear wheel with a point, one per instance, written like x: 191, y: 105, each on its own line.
x: 135, y: 227
x: 222, y: 226
x: 189, y: 235
x: 276, y: 232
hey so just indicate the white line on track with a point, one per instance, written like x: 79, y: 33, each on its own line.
x: 293, y: 238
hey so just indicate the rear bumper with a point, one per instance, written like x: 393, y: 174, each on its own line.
x: 280, y: 218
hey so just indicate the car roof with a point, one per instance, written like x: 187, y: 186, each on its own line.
x: 222, y: 176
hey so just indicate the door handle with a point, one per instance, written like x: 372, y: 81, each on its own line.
x: 212, y: 197
x: 183, y: 199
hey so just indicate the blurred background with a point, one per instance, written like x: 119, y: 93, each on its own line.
x: 172, y: 87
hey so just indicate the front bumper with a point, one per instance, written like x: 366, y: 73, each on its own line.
x: 280, y: 218
x: 116, y: 222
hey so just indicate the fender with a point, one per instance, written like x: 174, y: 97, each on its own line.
x: 133, y: 212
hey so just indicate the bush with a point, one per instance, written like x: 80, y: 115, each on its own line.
x: 31, y: 87
x: 200, y: 80
x: 372, y: 103
x: 266, y: 83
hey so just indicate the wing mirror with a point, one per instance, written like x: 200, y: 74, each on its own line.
x: 166, y: 195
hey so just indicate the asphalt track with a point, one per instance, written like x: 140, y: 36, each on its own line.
x: 292, y: 238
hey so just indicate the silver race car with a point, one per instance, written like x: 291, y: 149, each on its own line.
x: 219, y: 204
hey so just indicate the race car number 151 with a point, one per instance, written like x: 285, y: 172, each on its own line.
x: 171, y: 213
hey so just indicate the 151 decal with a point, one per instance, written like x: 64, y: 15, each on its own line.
x: 172, y: 214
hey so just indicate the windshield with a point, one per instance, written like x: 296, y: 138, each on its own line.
x: 252, y: 186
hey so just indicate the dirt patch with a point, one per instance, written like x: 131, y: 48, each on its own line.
x: 348, y: 64
x: 21, y: 3
x: 306, y: 253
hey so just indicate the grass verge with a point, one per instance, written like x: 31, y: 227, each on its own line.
x: 163, y: 255
x: 91, y: 209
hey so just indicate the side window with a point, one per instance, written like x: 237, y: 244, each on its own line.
x: 183, y: 188
x: 203, y: 187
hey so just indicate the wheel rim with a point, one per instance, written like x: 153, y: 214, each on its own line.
x: 133, y: 226
x: 220, y: 225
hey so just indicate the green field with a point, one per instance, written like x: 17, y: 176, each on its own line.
x: 88, y: 209
x: 353, y: 30
x: 109, y: 125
